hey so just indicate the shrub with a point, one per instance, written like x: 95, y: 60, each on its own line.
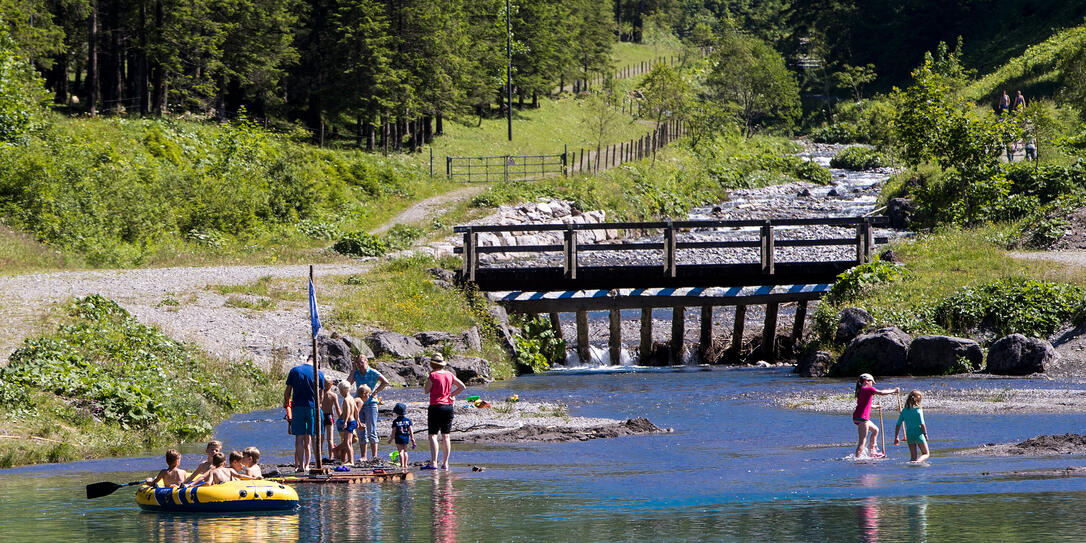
x: 360, y: 244
x: 858, y: 158
x: 538, y: 346
x: 1029, y: 307
x: 836, y: 133
x: 855, y: 281
x: 402, y: 236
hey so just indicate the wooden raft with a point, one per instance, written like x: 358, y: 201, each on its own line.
x: 347, y: 477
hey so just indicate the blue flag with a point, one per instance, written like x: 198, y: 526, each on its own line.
x: 314, y: 319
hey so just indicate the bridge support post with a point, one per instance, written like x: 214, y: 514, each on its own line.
x: 706, y: 341
x: 583, y: 352
x: 614, y: 342
x: 737, y: 330
x: 678, y: 330
x: 769, y: 333
x: 556, y: 324
x: 797, y: 324
x: 645, y: 352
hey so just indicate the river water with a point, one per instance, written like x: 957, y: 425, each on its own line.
x: 736, y: 468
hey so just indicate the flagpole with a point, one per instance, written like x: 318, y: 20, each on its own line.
x: 316, y: 378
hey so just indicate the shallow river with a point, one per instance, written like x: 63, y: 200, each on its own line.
x: 734, y: 469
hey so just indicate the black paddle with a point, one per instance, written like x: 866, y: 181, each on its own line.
x: 97, y: 490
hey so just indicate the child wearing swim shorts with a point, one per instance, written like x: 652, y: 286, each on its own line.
x: 861, y: 416
x: 916, y: 432
x: 401, y: 433
x: 329, y: 410
x: 347, y: 423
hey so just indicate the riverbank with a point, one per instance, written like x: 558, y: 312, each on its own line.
x: 956, y: 396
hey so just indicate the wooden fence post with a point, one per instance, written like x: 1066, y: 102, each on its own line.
x: 569, y: 243
x: 565, y: 160
x: 471, y: 257
x: 669, y: 250
x: 767, y: 248
x: 580, y: 167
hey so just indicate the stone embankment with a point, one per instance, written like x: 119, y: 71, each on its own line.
x: 890, y: 351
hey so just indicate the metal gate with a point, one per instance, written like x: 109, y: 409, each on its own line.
x: 486, y: 169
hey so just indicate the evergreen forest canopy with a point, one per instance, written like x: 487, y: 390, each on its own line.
x: 381, y: 68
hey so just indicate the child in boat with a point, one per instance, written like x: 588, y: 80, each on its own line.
x: 218, y: 473
x: 330, y: 410
x: 861, y: 417
x: 173, y: 475
x: 401, y: 433
x: 212, y: 448
x: 238, y: 469
x: 347, y: 423
x: 916, y: 432
x: 251, y: 460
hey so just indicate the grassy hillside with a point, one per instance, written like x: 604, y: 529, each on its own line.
x: 1035, y: 71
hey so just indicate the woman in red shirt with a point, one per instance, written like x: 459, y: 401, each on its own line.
x: 861, y: 417
x: 443, y: 387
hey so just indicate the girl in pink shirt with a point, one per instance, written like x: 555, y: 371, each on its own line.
x: 443, y: 387
x: 861, y: 417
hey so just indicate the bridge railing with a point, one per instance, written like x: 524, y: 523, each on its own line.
x: 863, y: 240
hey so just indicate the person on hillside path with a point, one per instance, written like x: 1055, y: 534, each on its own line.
x: 861, y: 417
x: 1004, y: 104
x: 443, y: 386
x: 363, y: 374
x: 1019, y: 101
x: 299, y: 397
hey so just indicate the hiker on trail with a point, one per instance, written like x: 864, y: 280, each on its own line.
x: 363, y: 374
x: 443, y: 386
x: 1004, y: 104
x: 916, y: 432
x: 861, y: 417
x: 1019, y: 101
x: 299, y: 397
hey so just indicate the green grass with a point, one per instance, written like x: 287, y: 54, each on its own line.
x: 545, y: 130
x: 267, y: 287
x: 398, y: 295
x: 21, y: 253
x: 101, y: 384
x: 942, y: 262
x: 629, y: 54
x: 1035, y: 71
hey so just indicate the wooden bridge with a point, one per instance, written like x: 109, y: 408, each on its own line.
x: 551, y: 278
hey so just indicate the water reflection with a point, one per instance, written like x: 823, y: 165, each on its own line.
x: 869, y: 520
x: 218, y: 528
x: 443, y: 523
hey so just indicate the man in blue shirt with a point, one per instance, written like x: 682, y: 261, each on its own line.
x: 363, y: 374
x: 299, y: 397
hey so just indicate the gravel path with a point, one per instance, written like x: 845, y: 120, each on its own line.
x: 201, y: 316
x: 1073, y: 258
x: 430, y: 207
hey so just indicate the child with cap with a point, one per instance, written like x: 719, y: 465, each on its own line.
x: 861, y: 417
x: 401, y: 433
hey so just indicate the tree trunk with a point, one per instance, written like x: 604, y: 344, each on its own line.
x: 116, y: 53
x: 158, y: 75
x: 439, y: 128
x: 358, y: 131
x: 428, y: 129
x: 141, y: 73
x: 535, y: 99
x: 93, y: 89
x: 60, y: 75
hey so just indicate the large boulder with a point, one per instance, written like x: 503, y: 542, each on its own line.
x: 882, y: 352
x: 468, y: 341
x: 470, y: 369
x: 939, y: 355
x: 358, y: 346
x: 850, y: 322
x: 900, y: 211
x: 395, y: 345
x: 334, y: 352
x: 407, y: 372
x: 1018, y: 355
x: 814, y: 364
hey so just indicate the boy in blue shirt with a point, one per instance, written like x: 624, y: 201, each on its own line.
x: 401, y: 433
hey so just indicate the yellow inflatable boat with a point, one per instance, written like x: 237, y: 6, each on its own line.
x: 230, y: 497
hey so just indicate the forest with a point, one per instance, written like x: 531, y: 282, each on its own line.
x: 385, y: 72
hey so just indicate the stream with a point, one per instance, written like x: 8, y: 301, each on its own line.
x: 736, y: 468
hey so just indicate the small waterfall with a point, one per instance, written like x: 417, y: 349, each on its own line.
x: 598, y: 357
